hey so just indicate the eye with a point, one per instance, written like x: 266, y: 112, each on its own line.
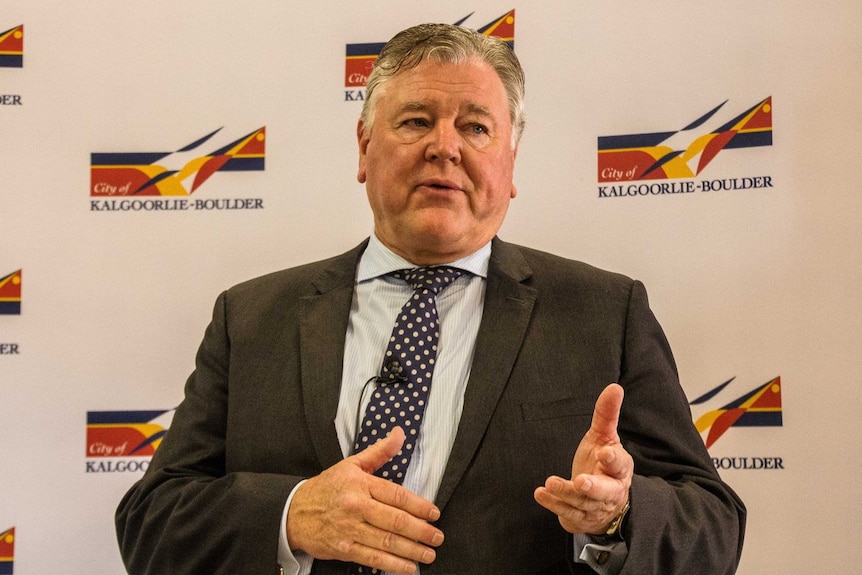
x: 477, y: 129
x: 415, y: 123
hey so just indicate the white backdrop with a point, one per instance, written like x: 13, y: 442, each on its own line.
x: 752, y: 284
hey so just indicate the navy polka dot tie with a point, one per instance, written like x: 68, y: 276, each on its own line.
x: 401, y: 395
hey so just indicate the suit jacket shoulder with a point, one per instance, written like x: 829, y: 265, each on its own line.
x: 314, y: 277
x: 522, y: 262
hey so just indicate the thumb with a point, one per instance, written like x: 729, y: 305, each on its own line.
x: 606, y: 415
x: 379, y: 453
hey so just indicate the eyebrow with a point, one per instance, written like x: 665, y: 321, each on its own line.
x: 412, y: 107
x: 478, y: 110
x: 417, y: 106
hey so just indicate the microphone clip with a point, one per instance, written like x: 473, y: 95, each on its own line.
x: 392, y: 373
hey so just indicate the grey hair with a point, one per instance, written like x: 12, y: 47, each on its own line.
x: 450, y: 44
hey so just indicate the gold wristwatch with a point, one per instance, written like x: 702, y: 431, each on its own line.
x: 617, y: 523
x: 614, y: 531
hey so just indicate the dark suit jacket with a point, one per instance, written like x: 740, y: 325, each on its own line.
x: 258, y: 417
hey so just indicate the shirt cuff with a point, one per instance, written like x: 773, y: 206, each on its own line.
x: 291, y: 563
x: 604, y: 559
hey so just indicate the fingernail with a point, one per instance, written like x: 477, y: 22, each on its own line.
x: 434, y: 515
x: 437, y: 540
x: 587, y: 485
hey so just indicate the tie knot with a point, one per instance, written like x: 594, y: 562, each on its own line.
x: 434, y: 278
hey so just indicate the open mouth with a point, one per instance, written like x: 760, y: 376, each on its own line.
x: 440, y: 185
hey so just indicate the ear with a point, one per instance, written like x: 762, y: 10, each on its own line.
x: 362, y: 140
x: 514, y: 191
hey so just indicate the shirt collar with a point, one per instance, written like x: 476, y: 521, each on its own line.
x: 378, y: 260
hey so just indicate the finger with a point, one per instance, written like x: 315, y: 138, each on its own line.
x: 377, y: 559
x: 546, y: 498
x: 412, y: 536
x: 606, y: 415
x: 578, y: 493
x: 587, y: 516
x: 572, y: 519
x: 398, y: 510
x: 386, y: 533
x: 370, y: 459
x: 394, y: 495
x: 615, y: 461
x: 400, y: 534
x: 599, y: 493
x: 563, y: 489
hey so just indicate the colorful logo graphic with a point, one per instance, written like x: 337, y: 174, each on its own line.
x: 126, y: 433
x: 686, y: 152
x: 360, y: 57
x: 12, y: 48
x: 148, y: 174
x: 7, y: 551
x: 760, y: 407
x: 10, y: 294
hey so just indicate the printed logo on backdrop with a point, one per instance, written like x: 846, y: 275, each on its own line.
x: 165, y: 181
x: 12, y: 47
x: 673, y: 162
x: 10, y: 294
x: 760, y: 407
x: 120, y: 441
x: 11, y: 56
x: 7, y: 551
x: 360, y: 58
x: 10, y: 304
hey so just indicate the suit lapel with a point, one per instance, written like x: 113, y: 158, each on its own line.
x: 323, y: 325
x: 508, y: 307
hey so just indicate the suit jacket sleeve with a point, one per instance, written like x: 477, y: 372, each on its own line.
x: 193, y: 511
x: 683, y: 519
x: 554, y: 334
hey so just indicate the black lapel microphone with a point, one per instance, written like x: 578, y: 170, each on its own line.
x: 394, y: 374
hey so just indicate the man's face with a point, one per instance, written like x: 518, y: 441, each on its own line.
x: 438, y: 161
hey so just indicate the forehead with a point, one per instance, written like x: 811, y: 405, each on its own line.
x: 470, y: 86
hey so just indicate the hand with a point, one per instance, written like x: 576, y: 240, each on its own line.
x: 601, y: 473
x: 346, y: 513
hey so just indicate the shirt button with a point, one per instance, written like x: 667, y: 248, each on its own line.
x: 602, y: 557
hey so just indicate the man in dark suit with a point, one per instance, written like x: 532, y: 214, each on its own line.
x: 526, y: 460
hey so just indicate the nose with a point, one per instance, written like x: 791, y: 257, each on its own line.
x: 444, y: 143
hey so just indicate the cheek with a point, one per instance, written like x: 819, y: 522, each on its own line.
x: 386, y: 166
x: 383, y: 174
x: 384, y: 195
x: 498, y: 187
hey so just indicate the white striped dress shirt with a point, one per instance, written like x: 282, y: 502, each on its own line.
x: 377, y: 300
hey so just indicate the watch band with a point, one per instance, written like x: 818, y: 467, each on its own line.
x: 613, y: 533
x: 617, y: 522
